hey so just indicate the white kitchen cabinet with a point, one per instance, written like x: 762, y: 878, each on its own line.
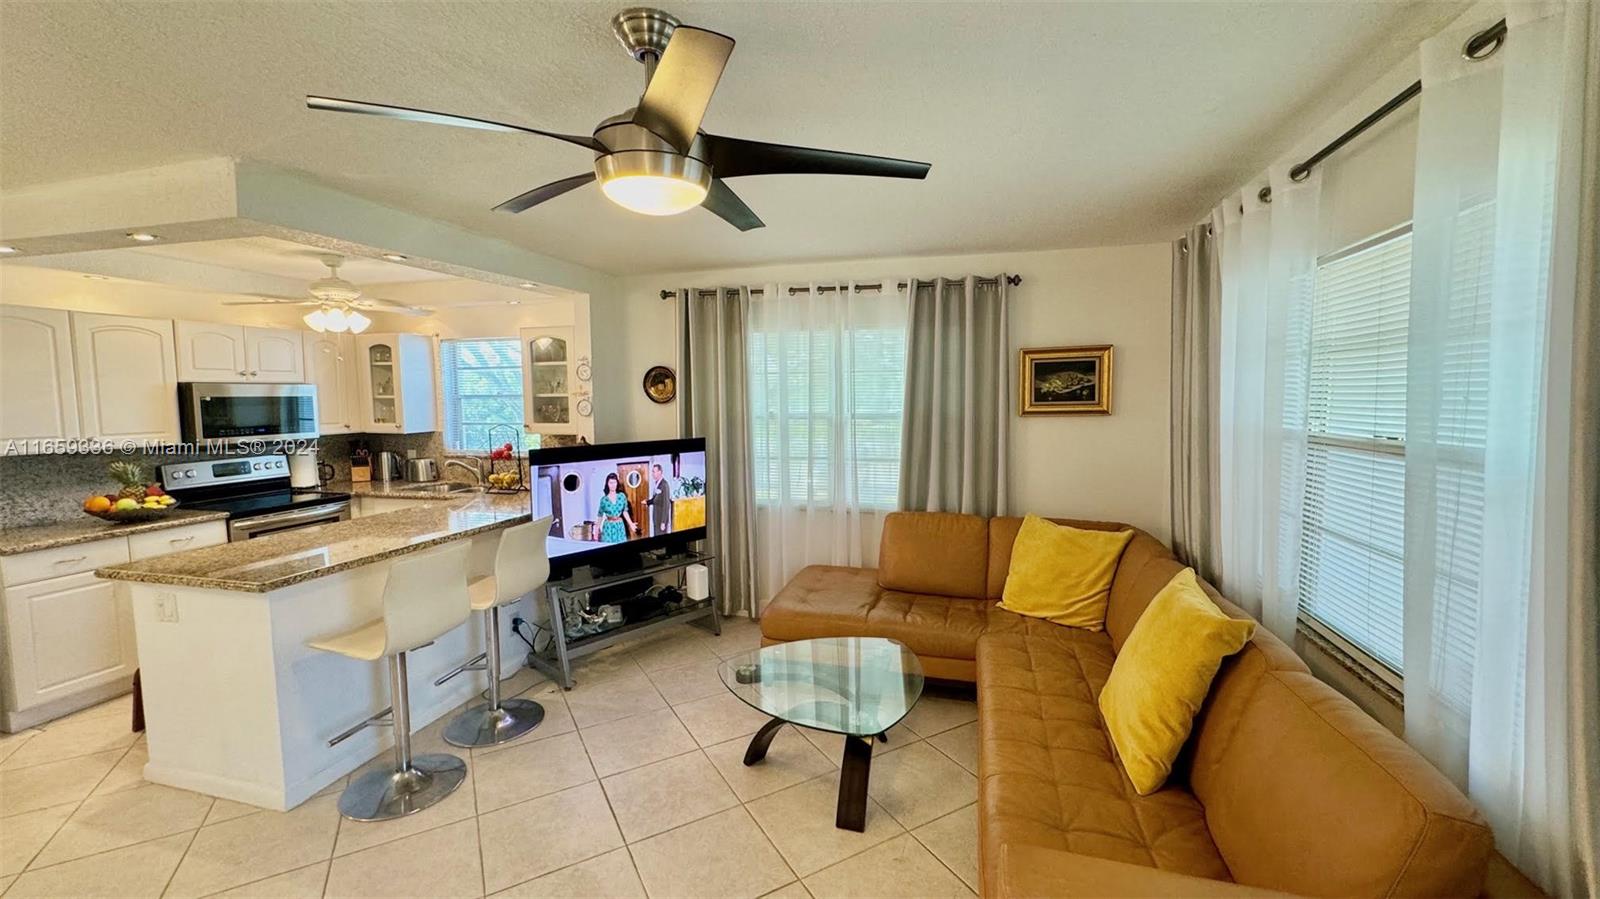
x: 231, y: 353
x: 210, y: 352
x: 396, y: 377
x: 38, y: 384
x: 66, y: 635
x: 274, y: 355
x: 127, y: 377
x: 330, y: 367
x: 550, y: 384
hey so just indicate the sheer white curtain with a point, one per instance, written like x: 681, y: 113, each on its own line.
x: 827, y: 381
x: 1268, y: 250
x: 1489, y: 424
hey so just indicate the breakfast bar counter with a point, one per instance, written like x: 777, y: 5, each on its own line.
x: 293, y: 557
x: 238, y: 706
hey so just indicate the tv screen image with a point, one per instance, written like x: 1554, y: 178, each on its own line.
x: 612, y: 499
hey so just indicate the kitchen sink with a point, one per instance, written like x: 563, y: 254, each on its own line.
x: 444, y: 487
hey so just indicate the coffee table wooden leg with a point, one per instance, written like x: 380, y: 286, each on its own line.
x: 757, y: 750
x: 852, y: 814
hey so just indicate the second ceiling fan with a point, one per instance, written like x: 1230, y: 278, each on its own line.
x: 654, y: 159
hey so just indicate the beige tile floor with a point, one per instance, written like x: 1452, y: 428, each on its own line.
x: 633, y: 786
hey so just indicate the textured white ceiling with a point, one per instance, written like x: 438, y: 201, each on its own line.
x: 1048, y: 125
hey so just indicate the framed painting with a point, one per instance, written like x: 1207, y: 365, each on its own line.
x: 1065, y: 380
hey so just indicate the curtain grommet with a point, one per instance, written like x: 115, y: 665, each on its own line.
x: 1484, y: 44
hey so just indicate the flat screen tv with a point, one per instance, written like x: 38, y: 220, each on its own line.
x: 613, y: 501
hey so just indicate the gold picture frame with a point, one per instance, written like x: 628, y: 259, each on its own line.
x: 1065, y: 380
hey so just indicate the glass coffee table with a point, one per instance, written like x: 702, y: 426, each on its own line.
x: 855, y: 686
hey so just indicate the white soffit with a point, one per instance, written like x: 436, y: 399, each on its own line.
x: 1048, y: 125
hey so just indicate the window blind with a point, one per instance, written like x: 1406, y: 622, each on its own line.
x: 482, y: 388
x: 1352, y: 536
x: 826, y: 415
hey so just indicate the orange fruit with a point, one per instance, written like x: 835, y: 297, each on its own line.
x: 96, y: 504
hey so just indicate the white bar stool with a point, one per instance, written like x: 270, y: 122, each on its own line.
x: 521, y: 566
x: 424, y: 598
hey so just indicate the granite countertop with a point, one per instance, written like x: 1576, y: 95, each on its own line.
x: 292, y: 557
x: 34, y: 537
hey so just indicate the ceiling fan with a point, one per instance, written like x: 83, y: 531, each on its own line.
x: 653, y: 158
x: 339, y: 303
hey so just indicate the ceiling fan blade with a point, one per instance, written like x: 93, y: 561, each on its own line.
x: 380, y: 304
x: 334, y: 104
x: 544, y: 192
x: 681, y: 88
x: 728, y: 207
x: 282, y: 302
x: 733, y: 157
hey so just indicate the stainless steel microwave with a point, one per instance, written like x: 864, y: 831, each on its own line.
x: 246, y: 413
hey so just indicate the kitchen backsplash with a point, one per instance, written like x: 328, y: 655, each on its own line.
x: 50, y: 489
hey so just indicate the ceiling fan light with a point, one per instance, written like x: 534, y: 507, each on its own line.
x: 357, y: 322
x: 316, y: 320
x: 654, y: 194
x: 335, y: 320
x: 653, y: 182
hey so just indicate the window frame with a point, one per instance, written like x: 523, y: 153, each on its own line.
x: 448, y: 400
x: 1375, y: 445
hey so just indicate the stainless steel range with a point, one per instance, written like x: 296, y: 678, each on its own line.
x: 254, y: 491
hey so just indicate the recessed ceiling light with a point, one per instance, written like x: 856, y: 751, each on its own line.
x: 97, y: 277
x: 527, y: 285
x: 7, y: 250
x: 394, y: 257
x: 141, y: 236
x: 513, y: 302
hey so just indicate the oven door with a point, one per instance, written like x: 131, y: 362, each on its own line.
x: 245, y: 413
x: 262, y: 525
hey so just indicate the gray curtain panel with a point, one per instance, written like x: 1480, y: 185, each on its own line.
x: 1194, y: 407
x: 953, y: 445
x: 713, y: 403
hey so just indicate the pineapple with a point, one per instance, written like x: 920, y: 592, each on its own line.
x: 131, y: 476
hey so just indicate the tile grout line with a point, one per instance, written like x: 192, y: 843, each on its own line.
x: 194, y: 835
x: 77, y: 808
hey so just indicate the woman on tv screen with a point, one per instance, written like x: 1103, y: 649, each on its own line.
x: 616, y: 521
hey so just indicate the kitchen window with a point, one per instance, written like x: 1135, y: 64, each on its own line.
x: 1352, y: 382
x: 482, y: 387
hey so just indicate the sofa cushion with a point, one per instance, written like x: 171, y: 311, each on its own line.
x: 1062, y: 573
x: 1048, y: 774
x: 936, y: 553
x: 1003, y: 535
x: 828, y: 601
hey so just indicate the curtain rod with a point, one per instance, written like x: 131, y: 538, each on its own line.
x: 1478, y: 47
x: 1012, y: 280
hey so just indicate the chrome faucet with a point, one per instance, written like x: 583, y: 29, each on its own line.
x: 474, y: 468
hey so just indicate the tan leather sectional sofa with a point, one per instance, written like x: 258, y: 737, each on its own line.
x: 1284, y: 785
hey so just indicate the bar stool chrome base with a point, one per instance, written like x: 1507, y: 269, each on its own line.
x: 388, y: 794
x: 485, y: 725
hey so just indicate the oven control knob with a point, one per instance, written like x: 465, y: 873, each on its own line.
x: 257, y: 466
x: 174, y: 475
x: 278, y: 464
x: 188, y: 472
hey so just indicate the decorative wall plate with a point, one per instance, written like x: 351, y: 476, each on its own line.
x: 585, y: 408
x: 584, y: 372
x: 661, y: 384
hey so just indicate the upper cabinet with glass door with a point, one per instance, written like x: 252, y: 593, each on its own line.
x: 395, y: 374
x: 552, y: 393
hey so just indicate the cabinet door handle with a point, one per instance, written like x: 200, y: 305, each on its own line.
x: 71, y: 560
x: 243, y: 373
x: 254, y: 373
x: 177, y: 540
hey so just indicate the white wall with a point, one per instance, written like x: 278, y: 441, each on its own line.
x: 1112, y: 467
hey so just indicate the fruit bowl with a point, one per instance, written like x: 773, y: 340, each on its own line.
x: 134, y: 515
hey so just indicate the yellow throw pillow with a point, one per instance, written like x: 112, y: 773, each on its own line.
x: 1062, y: 573
x: 1162, y: 675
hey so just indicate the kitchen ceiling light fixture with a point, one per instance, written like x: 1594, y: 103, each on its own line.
x: 653, y: 158
x: 7, y: 250
x: 142, y: 236
x: 394, y: 257
x: 336, y: 300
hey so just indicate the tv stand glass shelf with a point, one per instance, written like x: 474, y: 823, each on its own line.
x: 577, y: 627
